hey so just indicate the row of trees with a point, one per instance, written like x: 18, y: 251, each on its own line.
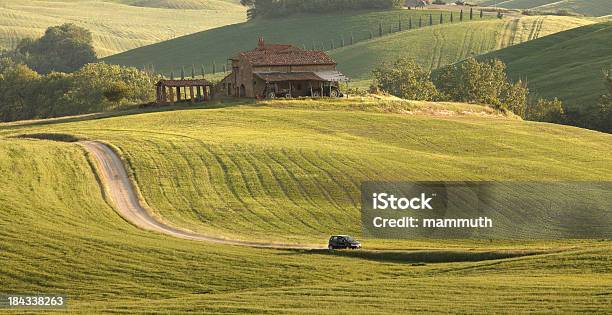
x: 472, y: 81
x: 26, y: 94
x: 55, y: 75
x: 279, y: 8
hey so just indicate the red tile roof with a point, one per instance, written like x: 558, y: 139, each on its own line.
x: 284, y: 55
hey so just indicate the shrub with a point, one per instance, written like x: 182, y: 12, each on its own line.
x: 406, y: 79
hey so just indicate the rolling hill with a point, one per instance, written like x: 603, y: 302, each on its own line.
x: 309, y: 31
x: 567, y: 65
x: 445, y: 44
x: 431, y: 46
x: 116, y: 26
x: 224, y: 171
x: 586, y: 7
x: 261, y: 170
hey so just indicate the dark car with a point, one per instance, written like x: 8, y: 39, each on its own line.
x: 343, y: 241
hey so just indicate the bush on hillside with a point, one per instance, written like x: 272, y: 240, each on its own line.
x: 280, y: 8
x: 64, y: 48
x: 406, y: 79
x: 96, y: 87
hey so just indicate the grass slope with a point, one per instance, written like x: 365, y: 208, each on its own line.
x: 58, y: 234
x: 308, y: 31
x: 116, y: 26
x: 256, y: 173
x: 586, y: 7
x: 445, y: 44
x: 567, y: 65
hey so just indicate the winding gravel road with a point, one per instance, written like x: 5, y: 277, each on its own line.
x: 120, y: 191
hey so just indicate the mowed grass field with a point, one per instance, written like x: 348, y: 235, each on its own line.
x: 586, y: 7
x: 119, y: 25
x: 318, y: 31
x: 258, y: 173
x: 262, y: 170
x: 568, y: 65
x: 437, y: 46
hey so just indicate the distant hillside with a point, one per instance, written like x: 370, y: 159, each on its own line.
x: 444, y: 44
x: 586, y: 7
x: 567, y: 65
x: 302, y: 30
x: 119, y: 25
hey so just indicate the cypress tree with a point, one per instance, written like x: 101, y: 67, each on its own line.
x: 203, y: 71
x: 420, y: 21
x: 481, y: 15
x: 399, y: 25
x: 471, y: 14
x: 214, y: 67
x: 441, y: 18
x: 410, y: 23
x: 451, y: 17
x: 380, y: 29
x: 192, y: 71
x: 461, y: 16
x: 182, y: 72
x: 430, y: 19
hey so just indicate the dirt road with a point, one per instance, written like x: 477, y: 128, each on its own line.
x: 121, y: 193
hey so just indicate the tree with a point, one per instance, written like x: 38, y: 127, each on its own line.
x: 64, y: 48
x: 380, y: 29
x: 546, y: 111
x: 471, y: 14
x: 604, y: 107
x: 461, y: 16
x: 405, y: 78
x: 430, y: 19
x: 117, y: 91
x: 483, y: 83
x: 441, y: 18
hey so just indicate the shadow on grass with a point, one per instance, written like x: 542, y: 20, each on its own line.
x: 216, y: 104
x: 419, y: 257
x: 60, y: 137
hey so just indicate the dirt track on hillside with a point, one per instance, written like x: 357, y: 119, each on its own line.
x: 121, y: 193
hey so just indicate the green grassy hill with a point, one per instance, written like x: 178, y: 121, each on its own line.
x: 567, y: 65
x: 445, y: 44
x: 586, y: 7
x: 261, y: 171
x: 309, y: 31
x: 119, y: 25
x: 257, y: 173
x: 431, y: 46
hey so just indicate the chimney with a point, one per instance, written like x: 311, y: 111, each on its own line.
x: 260, y: 43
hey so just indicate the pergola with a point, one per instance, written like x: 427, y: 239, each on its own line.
x: 170, y: 91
